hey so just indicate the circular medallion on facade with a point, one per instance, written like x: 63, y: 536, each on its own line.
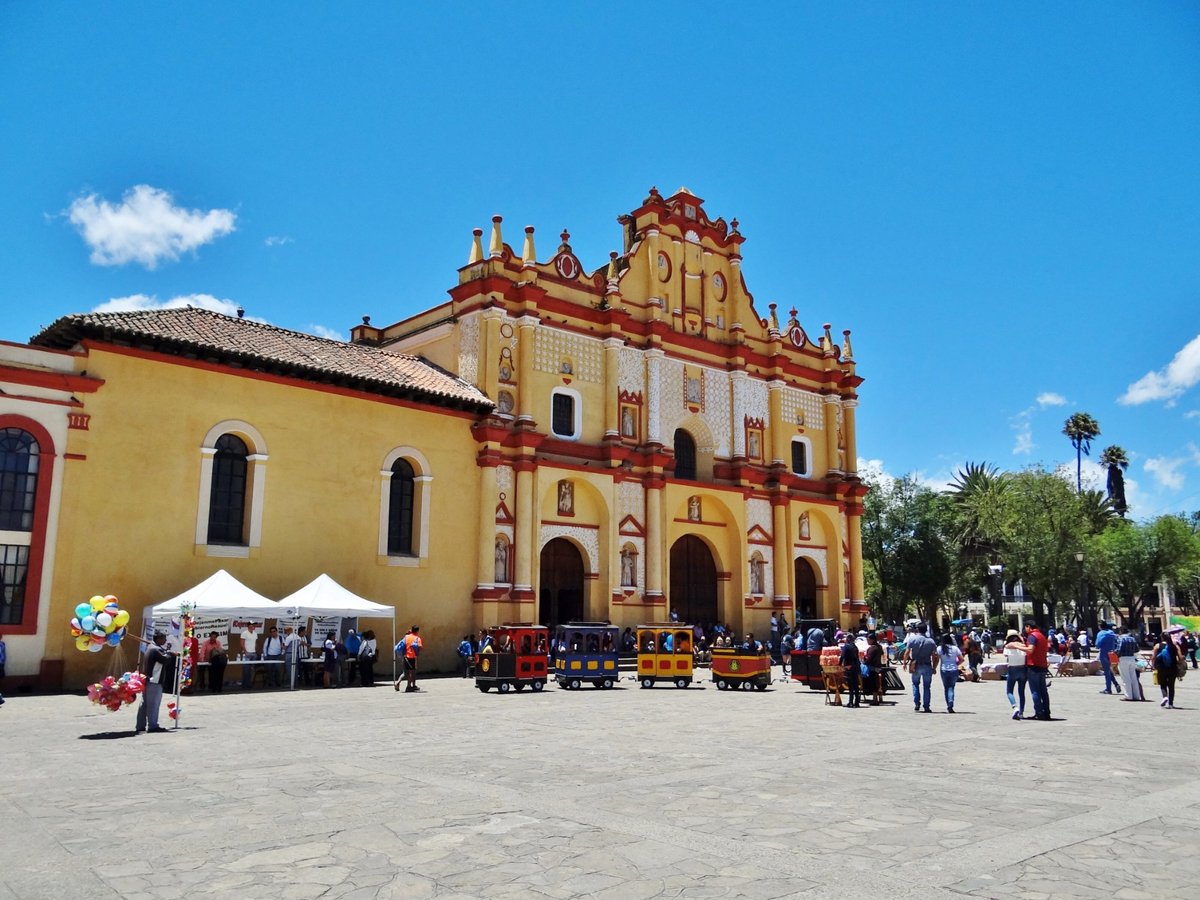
x: 566, y: 266
x: 797, y: 336
x: 718, y: 283
x: 506, y: 330
x: 664, y: 267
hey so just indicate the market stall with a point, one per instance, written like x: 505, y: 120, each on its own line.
x: 325, y: 597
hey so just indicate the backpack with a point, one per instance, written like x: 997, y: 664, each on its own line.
x: 1165, y: 659
x: 400, y: 646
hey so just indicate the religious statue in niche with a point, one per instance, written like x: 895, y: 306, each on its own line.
x: 756, y: 575
x: 504, y: 403
x: 627, y: 566
x: 566, y: 498
x: 501, y: 575
x: 694, y: 509
x: 753, y: 445
x: 627, y: 424
x: 804, y: 529
x: 693, y: 390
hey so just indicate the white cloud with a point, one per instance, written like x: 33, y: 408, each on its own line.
x: 1023, y: 426
x: 142, y: 302
x: 146, y: 227
x: 322, y: 331
x: 1192, y: 414
x: 1166, y: 470
x: 278, y: 240
x: 1181, y: 373
x: 1049, y: 398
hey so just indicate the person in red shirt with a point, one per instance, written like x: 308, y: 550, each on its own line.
x: 1037, y: 670
x: 412, y: 649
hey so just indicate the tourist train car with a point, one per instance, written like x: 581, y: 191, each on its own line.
x: 664, y: 653
x: 806, y: 664
x: 738, y: 669
x: 517, y: 658
x: 585, y: 653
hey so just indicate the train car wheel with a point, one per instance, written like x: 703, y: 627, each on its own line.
x: 576, y: 684
x: 538, y: 685
x: 681, y: 682
x: 503, y: 687
x: 606, y: 683
x: 722, y: 684
x: 647, y: 682
x: 762, y: 685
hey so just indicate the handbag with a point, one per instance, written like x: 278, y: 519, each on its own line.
x: 1181, y: 667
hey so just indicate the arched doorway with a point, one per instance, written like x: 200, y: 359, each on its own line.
x: 560, y: 598
x: 806, y: 589
x: 693, y: 581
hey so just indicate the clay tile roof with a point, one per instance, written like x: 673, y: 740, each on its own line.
x: 202, y: 334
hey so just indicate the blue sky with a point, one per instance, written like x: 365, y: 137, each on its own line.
x: 1001, y: 200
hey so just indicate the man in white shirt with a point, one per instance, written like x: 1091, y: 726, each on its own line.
x: 250, y: 650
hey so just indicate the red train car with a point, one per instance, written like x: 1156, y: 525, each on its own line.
x: 735, y: 669
x: 518, y: 658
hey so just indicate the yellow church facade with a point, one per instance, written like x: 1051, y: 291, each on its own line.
x: 550, y: 444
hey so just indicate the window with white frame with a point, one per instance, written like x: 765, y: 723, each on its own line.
x: 801, y: 456
x: 233, y: 480
x: 405, y: 486
x: 566, y: 414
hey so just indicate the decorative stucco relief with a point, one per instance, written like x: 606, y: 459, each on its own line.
x: 552, y: 346
x: 805, y: 402
x: 758, y: 512
x: 631, y: 370
x: 468, y: 349
x: 587, y: 538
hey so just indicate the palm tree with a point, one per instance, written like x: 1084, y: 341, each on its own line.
x: 1114, y: 459
x: 1082, y: 429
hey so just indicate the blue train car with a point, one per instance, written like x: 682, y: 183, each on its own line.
x: 585, y: 653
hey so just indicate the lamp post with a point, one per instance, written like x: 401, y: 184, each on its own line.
x: 996, y: 577
x: 1084, y: 616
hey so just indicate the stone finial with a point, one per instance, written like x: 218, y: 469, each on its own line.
x: 733, y: 225
x: 792, y: 320
x: 476, y: 247
x: 611, y: 276
x: 847, y: 352
x: 773, y: 320
x: 565, y: 246
x: 528, y: 254
x: 366, y: 320
x: 496, y: 245
x: 827, y: 345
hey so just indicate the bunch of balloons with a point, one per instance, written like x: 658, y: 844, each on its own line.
x: 97, y: 623
x: 114, y: 693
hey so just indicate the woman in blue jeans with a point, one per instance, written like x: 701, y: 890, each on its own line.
x: 949, y: 657
x: 1014, y: 658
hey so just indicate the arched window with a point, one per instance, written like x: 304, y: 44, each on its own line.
x: 400, y: 509
x: 227, y: 498
x: 18, y: 479
x: 233, y: 485
x: 19, y: 456
x: 405, y: 492
x: 685, y: 455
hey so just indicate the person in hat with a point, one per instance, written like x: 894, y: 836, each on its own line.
x: 158, y: 665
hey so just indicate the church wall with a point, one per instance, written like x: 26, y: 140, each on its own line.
x: 132, y: 530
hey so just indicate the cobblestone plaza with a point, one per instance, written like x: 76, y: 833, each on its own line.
x: 627, y: 793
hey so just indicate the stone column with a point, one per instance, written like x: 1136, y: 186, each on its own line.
x: 525, y: 350
x: 782, y: 560
x: 778, y: 435
x: 486, y: 567
x: 524, y: 530
x: 612, y: 363
x: 654, y: 537
x: 855, y: 588
x: 851, y: 437
x: 654, y: 395
x: 737, y: 384
x: 831, y: 434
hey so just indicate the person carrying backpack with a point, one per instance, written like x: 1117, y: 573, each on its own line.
x: 466, y: 655
x: 408, y: 648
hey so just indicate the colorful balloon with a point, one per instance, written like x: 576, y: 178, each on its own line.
x: 121, y: 618
x: 83, y: 642
x: 104, y: 620
x: 83, y: 609
x: 97, y: 603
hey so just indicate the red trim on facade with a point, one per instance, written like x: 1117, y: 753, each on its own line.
x: 55, y: 381
x: 41, y: 521
x: 570, y: 524
x: 74, y: 456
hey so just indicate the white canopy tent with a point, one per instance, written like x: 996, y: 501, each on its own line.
x: 218, y: 595
x: 325, y: 597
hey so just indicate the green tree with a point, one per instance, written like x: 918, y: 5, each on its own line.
x: 1127, y: 559
x: 1115, y: 460
x: 1082, y: 429
x: 1045, y: 527
x: 977, y: 524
